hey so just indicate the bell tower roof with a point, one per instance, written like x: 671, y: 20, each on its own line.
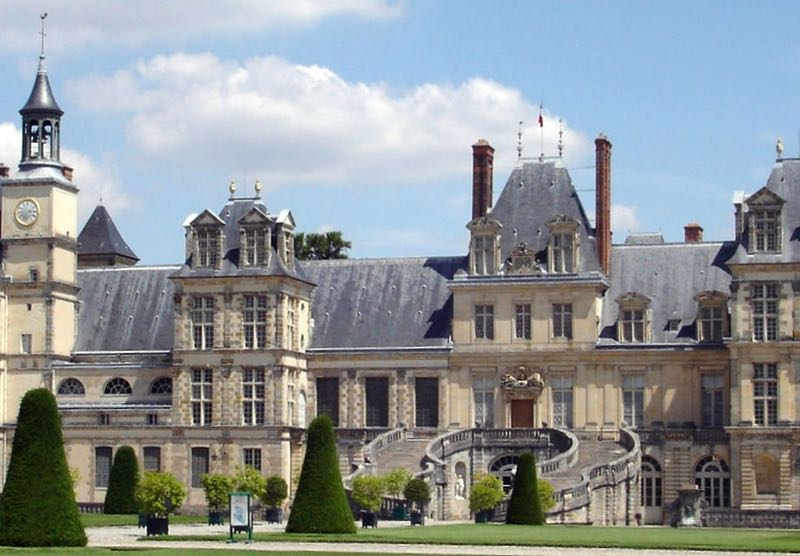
x: 41, y: 99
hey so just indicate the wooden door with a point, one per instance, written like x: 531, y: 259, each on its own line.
x: 522, y: 414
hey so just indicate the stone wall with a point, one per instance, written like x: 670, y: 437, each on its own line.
x: 769, y: 519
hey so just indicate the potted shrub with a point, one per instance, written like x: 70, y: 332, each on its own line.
x: 218, y: 489
x: 395, y: 481
x: 275, y: 492
x: 249, y: 479
x: 368, y: 493
x: 158, y: 494
x: 417, y: 492
x: 484, y: 495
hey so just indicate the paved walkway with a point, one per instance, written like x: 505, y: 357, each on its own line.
x: 128, y: 536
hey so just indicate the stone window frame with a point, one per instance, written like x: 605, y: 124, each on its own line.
x: 712, y: 476
x: 196, y: 456
x: 483, y: 321
x: 632, y: 392
x: 561, y: 321
x: 712, y: 316
x: 523, y: 320
x: 712, y: 399
x: 255, y: 456
x: 484, y: 388
x: 255, y: 245
x: 765, y: 310
x: 147, y: 458
x: 254, y: 396
x: 102, y: 473
x: 651, y: 482
x: 484, y: 246
x: 161, y: 386
x: 765, y: 228
x: 202, y: 316
x: 562, y: 396
x: 765, y: 394
x: 71, y: 386
x: 202, y: 396
x: 209, y: 240
x: 255, y: 314
x: 563, y: 246
x: 117, y: 386
x: 633, y: 308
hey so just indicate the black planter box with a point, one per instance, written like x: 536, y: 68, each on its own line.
x: 484, y: 516
x: 273, y: 515
x: 417, y: 518
x: 216, y: 517
x: 157, y: 526
x: 369, y: 519
x: 400, y: 513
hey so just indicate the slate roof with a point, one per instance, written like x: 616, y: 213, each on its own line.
x: 125, y: 309
x: 382, y: 303
x: 671, y: 275
x: 784, y: 181
x: 535, y: 194
x: 100, y: 236
x: 41, y: 98
x: 230, y: 214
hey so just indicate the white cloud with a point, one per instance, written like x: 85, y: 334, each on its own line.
x: 81, y: 23
x: 95, y: 180
x: 290, y: 123
x: 623, y: 221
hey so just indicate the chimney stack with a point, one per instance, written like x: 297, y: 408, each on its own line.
x: 693, y: 233
x: 67, y: 171
x: 4, y: 170
x: 482, y: 172
x: 602, y: 219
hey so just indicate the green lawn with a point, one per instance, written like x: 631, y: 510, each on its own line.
x: 559, y: 535
x: 158, y: 552
x: 103, y: 520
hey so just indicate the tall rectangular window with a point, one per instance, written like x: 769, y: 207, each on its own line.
x: 765, y: 312
x: 328, y: 398
x: 563, y: 245
x: 290, y: 404
x: 713, y: 390
x: 632, y: 325
x: 26, y: 343
x: 203, y: 322
x: 291, y: 323
x: 202, y: 395
x: 562, y: 320
x: 199, y: 466
x: 484, y: 322
x: 253, y: 396
x: 562, y: 401
x: 252, y: 458
x: 483, y: 392
x: 426, y: 400
x: 766, y: 230
x: 633, y: 400
x: 765, y: 393
x: 377, y: 401
x: 255, y: 247
x: 712, y: 320
x: 522, y: 321
x: 254, y: 319
x: 483, y: 254
x: 208, y: 247
x: 102, y: 465
x: 151, y: 460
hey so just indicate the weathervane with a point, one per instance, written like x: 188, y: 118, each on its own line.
x: 519, y: 142
x: 43, y: 34
x: 560, y: 139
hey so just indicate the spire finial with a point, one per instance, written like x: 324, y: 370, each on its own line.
x: 258, y: 187
x: 560, y: 139
x: 519, y: 141
x: 541, y: 130
x: 779, y: 148
x: 232, y: 188
x: 43, y: 34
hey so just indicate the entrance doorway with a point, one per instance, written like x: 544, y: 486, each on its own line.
x: 522, y: 414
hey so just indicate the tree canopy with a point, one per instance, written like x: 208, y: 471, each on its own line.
x: 314, y: 246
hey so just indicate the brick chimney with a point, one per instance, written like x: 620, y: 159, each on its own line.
x: 693, y: 233
x: 67, y: 171
x: 482, y: 172
x: 4, y: 170
x: 602, y: 219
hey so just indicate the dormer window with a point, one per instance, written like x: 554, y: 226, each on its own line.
x: 255, y: 247
x: 562, y: 252
x: 484, y: 251
x: 712, y: 316
x: 766, y: 230
x: 207, y: 247
x: 633, y: 325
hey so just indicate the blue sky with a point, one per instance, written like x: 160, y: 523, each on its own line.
x: 359, y: 116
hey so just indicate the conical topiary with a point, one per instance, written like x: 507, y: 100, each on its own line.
x: 121, y: 493
x: 524, y: 507
x: 37, y: 507
x: 320, y: 505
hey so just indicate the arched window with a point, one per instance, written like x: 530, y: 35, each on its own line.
x: 505, y: 467
x: 71, y: 387
x: 117, y: 387
x: 713, y: 476
x: 651, y: 482
x: 767, y: 474
x: 161, y: 386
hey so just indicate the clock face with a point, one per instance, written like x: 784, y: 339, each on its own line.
x: 27, y: 212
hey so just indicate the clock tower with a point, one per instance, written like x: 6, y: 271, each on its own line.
x: 38, y: 237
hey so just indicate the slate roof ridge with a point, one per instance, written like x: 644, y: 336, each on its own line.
x: 667, y: 244
x: 368, y: 260
x: 132, y: 268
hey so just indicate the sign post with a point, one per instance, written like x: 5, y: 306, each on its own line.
x: 241, y: 518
